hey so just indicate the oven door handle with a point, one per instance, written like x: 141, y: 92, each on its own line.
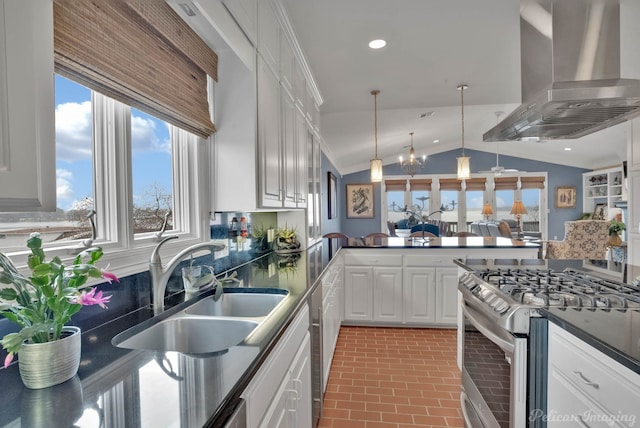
x: 492, y: 331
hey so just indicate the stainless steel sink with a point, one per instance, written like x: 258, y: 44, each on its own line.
x: 237, y: 304
x: 189, y: 335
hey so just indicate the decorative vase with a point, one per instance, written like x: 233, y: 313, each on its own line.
x: 46, y: 364
x: 614, y: 240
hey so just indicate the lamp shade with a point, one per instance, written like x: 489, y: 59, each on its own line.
x: 518, y: 208
x: 376, y: 170
x: 464, y: 168
x: 487, y: 210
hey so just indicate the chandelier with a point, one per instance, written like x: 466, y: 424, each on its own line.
x: 412, y: 164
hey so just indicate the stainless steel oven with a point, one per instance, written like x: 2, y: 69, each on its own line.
x: 494, y: 374
x: 504, y: 337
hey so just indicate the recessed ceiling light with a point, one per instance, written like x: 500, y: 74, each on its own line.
x: 436, y: 141
x: 567, y: 149
x: 377, y: 44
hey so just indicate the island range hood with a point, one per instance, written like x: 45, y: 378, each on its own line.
x: 570, y: 61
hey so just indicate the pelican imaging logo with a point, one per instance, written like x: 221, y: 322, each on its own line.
x: 586, y: 417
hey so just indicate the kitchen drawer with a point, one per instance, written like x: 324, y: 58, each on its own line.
x: 568, y: 407
x: 373, y: 258
x: 613, y: 386
x: 417, y: 260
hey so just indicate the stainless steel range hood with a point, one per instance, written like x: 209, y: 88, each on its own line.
x: 570, y: 59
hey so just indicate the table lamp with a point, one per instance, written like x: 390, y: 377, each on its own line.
x: 486, y: 211
x: 518, y: 209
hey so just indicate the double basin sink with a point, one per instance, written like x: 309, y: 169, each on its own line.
x: 207, y: 326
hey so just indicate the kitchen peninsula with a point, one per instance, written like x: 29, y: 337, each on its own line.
x: 413, y: 281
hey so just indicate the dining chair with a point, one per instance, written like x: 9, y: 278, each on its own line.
x: 432, y: 228
x: 464, y: 234
x: 420, y: 234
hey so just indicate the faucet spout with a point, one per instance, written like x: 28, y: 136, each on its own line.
x: 160, y: 273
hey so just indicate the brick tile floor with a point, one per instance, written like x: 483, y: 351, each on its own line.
x: 393, y: 378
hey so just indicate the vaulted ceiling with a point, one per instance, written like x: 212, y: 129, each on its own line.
x: 432, y: 47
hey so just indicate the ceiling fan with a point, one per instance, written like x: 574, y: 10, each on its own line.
x: 498, y: 170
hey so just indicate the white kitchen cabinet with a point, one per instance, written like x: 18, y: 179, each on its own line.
x: 391, y: 287
x: 419, y: 295
x: 27, y: 123
x: 372, y: 287
x: 288, y: 148
x: 387, y: 294
x: 588, y: 386
x: 373, y: 294
x: 244, y: 12
x: 332, y: 315
x: 287, y: 371
x: 269, y: 144
x: 446, y: 295
x: 430, y: 295
x: 269, y: 33
x: 291, y: 405
x: 358, y: 293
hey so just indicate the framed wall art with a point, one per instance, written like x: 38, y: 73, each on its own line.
x: 599, y: 212
x: 332, y: 195
x: 360, y: 200
x: 565, y: 196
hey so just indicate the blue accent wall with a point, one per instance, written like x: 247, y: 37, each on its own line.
x: 445, y: 163
x: 330, y: 225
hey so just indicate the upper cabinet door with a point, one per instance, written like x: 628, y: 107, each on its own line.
x: 269, y: 35
x: 244, y: 12
x: 27, y: 121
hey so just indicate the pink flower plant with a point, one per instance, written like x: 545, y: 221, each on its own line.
x: 43, y: 303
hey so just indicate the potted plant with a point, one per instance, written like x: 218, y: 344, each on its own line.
x: 42, y: 305
x: 287, y: 240
x: 615, y: 228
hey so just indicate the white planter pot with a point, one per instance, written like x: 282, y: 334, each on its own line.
x: 47, y: 364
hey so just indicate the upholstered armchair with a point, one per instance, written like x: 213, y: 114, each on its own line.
x: 583, y: 239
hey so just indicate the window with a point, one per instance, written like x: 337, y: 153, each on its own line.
x: 151, y: 173
x: 74, y: 176
x: 465, y: 202
x: 96, y: 138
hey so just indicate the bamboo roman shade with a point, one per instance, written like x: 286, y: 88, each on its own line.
x: 532, y: 182
x: 450, y: 184
x: 420, y: 184
x: 139, y: 52
x: 479, y: 183
x: 506, y: 183
x: 395, y: 185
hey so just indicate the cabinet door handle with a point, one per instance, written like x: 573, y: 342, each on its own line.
x: 585, y: 380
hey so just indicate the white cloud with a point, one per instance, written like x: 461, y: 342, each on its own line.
x: 64, y: 186
x: 144, y: 137
x: 73, y: 131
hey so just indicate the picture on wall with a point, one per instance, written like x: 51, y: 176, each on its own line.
x: 332, y: 195
x: 360, y: 200
x: 599, y: 212
x: 565, y: 196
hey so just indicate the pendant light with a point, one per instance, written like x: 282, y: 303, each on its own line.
x: 464, y: 166
x: 413, y: 164
x: 376, y: 164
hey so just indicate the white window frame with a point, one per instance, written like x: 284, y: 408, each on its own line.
x: 489, y: 196
x: 113, y: 195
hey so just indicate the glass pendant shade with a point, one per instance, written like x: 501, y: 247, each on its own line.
x: 464, y: 168
x: 376, y: 163
x: 464, y: 162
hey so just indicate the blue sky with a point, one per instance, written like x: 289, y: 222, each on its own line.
x: 151, y: 161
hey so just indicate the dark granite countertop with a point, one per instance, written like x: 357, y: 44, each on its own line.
x: 440, y: 242
x: 121, y: 387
